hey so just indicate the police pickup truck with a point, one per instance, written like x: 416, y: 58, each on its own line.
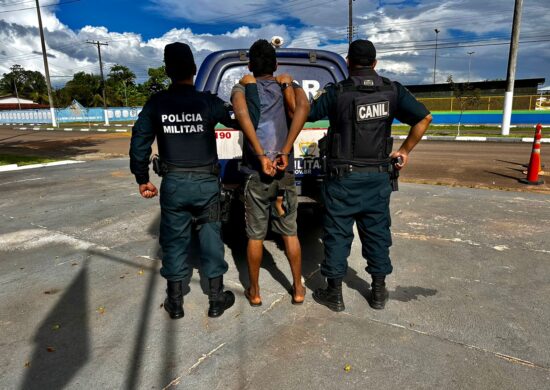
x: 313, y: 69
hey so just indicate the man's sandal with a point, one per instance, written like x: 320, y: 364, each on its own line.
x: 247, y: 296
x: 295, y: 302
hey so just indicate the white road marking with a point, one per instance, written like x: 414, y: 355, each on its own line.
x: 14, y: 167
x: 21, y: 181
x: 29, y: 239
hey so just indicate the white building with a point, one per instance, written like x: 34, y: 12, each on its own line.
x: 10, y: 99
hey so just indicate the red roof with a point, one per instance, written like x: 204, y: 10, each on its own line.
x: 15, y: 106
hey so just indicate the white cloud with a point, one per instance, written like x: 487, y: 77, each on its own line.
x: 391, y: 25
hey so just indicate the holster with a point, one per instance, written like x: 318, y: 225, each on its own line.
x: 226, y: 198
x: 158, y: 166
x: 394, y: 174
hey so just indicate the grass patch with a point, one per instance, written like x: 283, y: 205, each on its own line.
x: 482, y: 131
x: 8, y: 159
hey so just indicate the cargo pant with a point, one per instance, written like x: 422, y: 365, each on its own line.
x: 184, y: 195
x: 363, y: 198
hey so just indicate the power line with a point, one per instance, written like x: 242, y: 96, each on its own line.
x: 13, y: 4
x: 43, y: 6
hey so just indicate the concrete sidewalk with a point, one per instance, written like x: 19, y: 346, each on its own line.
x: 81, y: 296
x: 127, y: 128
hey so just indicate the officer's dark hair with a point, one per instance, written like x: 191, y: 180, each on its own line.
x: 353, y: 65
x: 184, y: 72
x: 179, y: 60
x: 263, y: 59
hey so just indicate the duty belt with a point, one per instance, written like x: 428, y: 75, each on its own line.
x: 342, y: 170
x: 213, y: 169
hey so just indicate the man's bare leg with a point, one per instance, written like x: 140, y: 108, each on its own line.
x: 254, y: 254
x: 294, y: 255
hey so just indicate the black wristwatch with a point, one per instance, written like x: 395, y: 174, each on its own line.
x: 284, y: 86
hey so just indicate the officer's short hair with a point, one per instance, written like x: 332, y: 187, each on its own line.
x: 361, y: 53
x: 263, y: 59
x: 179, y: 61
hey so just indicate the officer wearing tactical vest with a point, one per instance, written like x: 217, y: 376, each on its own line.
x: 359, y: 155
x: 183, y: 121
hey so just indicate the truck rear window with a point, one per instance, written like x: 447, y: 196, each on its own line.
x: 311, y: 78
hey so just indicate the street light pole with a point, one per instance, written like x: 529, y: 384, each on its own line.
x: 435, y: 55
x: 470, y: 63
x: 511, y: 74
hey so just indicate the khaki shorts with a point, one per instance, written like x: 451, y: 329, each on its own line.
x: 260, y: 195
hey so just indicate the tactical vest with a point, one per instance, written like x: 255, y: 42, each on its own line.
x: 360, y: 135
x: 185, y: 130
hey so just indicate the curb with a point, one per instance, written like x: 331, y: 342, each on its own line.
x: 476, y: 139
x: 399, y: 137
x: 15, y: 167
x: 102, y: 130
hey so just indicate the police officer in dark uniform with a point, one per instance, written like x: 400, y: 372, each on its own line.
x: 183, y: 120
x: 359, y: 156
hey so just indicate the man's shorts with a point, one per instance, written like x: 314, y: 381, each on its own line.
x: 260, y: 195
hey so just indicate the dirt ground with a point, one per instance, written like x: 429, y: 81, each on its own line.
x: 461, y: 164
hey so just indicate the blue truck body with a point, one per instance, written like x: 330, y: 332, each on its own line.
x: 313, y: 69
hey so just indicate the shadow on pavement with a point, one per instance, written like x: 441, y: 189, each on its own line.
x: 51, y: 147
x: 235, y: 238
x: 503, y: 175
x: 310, y: 231
x: 132, y: 374
x: 411, y: 293
x: 356, y: 282
x: 510, y: 162
x: 62, y: 342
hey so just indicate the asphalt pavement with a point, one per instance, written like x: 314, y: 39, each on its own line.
x: 81, y: 296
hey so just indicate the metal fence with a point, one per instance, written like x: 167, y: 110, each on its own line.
x: 488, y: 103
x: 69, y: 115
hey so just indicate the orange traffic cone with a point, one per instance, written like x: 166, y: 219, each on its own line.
x: 534, y: 161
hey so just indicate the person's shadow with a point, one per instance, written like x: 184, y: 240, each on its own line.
x: 310, y: 232
x: 193, y: 257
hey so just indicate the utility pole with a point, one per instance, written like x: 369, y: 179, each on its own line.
x: 46, y: 67
x: 15, y: 69
x: 511, y: 74
x: 350, y: 22
x: 435, y: 56
x: 125, y: 93
x: 470, y: 63
x: 99, y: 44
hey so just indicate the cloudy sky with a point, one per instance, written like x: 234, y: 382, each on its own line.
x: 403, y: 31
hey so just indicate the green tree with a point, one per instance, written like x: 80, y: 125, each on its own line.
x: 85, y: 88
x: 467, y: 97
x: 158, y: 80
x: 30, y: 84
x: 120, y: 85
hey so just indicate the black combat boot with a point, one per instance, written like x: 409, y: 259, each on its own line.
x: 219, y: 300
x: 173, y: 303
x: 331, y: 296
x: 379, y: 294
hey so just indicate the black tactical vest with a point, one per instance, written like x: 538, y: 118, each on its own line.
x: 360, y: 133
x: 185, y: 128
